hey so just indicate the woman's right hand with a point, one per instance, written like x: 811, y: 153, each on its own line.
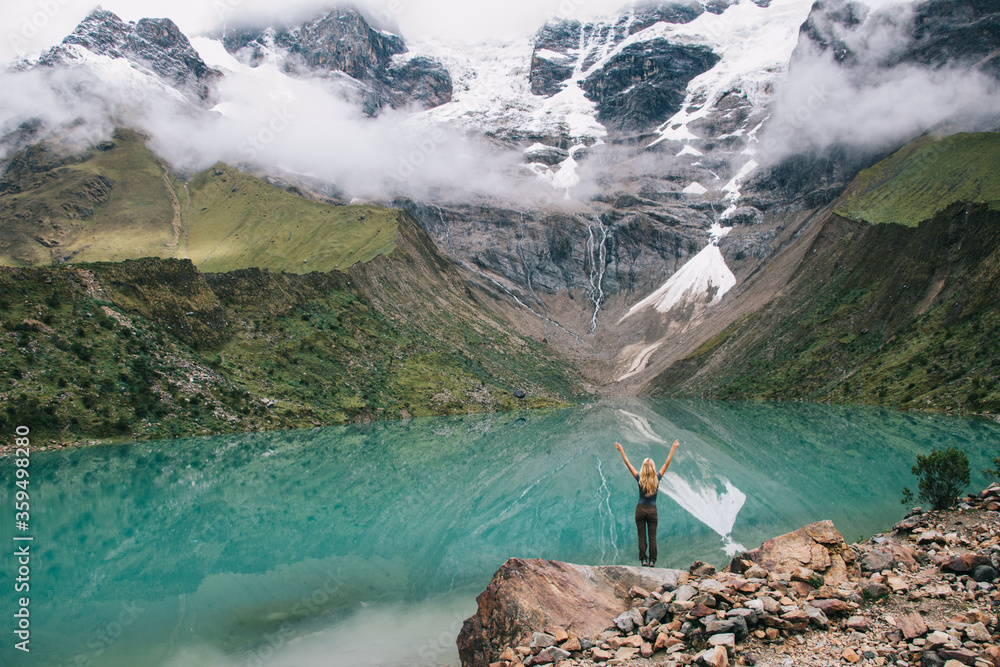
x: 619, y: 448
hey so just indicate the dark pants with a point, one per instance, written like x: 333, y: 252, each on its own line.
x: 645, y: 519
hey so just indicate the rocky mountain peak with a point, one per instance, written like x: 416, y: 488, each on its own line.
x: 565, y: 46
x: 342, y: 41
x: 154, y: 45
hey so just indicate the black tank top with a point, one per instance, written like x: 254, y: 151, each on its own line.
x: 649, y: 500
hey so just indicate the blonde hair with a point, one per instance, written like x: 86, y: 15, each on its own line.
x: 648, y: 483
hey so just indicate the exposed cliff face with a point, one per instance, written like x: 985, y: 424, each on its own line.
x: 620, y: 248
x: 343, y: 42
x: 155, y: 45
x: 636, y: 88
x: 646, y: 83
x: 565, y: 46
x: 965, y: 32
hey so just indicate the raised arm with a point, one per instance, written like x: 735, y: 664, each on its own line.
x: 625, y: 459
x: 663, y: 470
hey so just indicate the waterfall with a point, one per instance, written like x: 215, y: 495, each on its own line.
x: 597, y: 254
x: 447, y: 228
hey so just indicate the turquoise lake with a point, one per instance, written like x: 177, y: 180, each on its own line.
x: 367, y: 545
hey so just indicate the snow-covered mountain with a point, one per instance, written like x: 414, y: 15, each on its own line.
x: 610, y: 179
x: 152, y: 47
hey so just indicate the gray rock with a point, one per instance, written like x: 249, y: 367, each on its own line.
x: 711, y: 586
x: 542, y: 640
x: 681, y: 607
x: 876, y: 560
x: 736, y: 625
x: 646, y: 83
x: 419, y: 80
x: 749, y: 615
x: 629, y: 620
x: 771, y: 606
x: 931, y: 659
x: 557, y: 654
x: 670, y: 579
x: 977, y: 632
x: 816, y: 617
x: 343, y: 40
x: 685, y: 593
x: 875, y: 590
x: 656, y: 612
x: 557, y: 44
x: 727, y: 639
x: 984, y: 573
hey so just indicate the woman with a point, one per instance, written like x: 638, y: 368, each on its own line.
x: 645, y: 510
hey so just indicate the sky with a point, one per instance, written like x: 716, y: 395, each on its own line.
x: 32, y: 26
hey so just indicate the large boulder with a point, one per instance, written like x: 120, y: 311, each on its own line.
x: 527, y: 596
x: 818, y: 547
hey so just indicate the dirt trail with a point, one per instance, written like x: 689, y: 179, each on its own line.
x: 175, y: 203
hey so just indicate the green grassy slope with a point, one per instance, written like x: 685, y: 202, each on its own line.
x: 119, y: 202
x: 904, y: 315
x: 926, y: 177
x: 237, y: 221
x: 108, y: 204
x: 153, y: 349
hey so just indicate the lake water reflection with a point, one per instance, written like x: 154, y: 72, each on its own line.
x: 368, y: 544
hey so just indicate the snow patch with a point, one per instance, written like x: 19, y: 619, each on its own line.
x: 132, y: 82
x: 705, y: 278
x: 553, y: 56
x: 640, y: 362
x: 564, y: 178
x: 755, y: 45
x: 492, y: 94
x: 695, y: 188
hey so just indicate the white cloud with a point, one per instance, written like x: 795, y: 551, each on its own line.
x: 302, y: 128
x: 861, y: 101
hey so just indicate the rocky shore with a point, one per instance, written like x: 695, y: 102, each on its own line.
x: 923, y: 594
